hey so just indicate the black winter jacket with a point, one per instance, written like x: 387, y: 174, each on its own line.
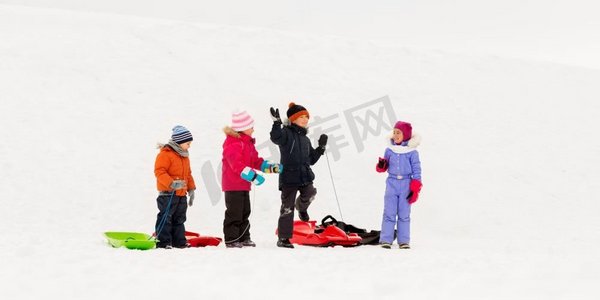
x: 297, y: 155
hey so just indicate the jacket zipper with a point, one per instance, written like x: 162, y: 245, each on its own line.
x: 293, y: 143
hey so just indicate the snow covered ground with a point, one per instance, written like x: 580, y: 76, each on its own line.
x: 510, y: 165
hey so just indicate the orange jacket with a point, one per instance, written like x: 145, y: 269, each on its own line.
x: 170, y: 166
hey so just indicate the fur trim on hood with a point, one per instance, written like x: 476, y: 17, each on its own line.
x: 287, y: 122
x: 230, y: 132
x: 411, y: 145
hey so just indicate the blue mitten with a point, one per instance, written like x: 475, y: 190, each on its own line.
x: 250, y: 175
x: 271, y: 167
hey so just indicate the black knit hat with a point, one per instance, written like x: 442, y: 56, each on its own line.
x: 295, y: 111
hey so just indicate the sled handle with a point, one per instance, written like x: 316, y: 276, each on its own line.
x: 333, y: 220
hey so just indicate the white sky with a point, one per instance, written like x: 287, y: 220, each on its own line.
x: 564, y: 31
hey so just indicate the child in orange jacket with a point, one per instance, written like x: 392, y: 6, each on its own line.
x: 173, y: 180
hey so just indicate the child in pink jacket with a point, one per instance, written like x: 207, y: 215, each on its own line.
x: 240, y: 162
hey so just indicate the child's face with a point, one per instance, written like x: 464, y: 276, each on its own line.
x: 248, y: 132
x: 186, y: 145
x: 302, y: 121
x: 398, y: 136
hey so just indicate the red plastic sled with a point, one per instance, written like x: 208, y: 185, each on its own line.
x: 307, y: 233
x: 196, y: 240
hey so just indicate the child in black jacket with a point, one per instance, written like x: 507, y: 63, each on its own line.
x: 297, y: 155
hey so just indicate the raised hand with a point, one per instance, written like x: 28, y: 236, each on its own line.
x: 275, y: 116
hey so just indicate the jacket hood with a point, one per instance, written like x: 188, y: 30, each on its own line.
x: 405, y: 147
x: 230, y: 132
x: 234, y: 135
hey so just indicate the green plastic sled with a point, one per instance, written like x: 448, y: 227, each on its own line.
x: 131, y: 240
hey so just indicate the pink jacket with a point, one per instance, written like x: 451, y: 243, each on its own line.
x: 238, y: 152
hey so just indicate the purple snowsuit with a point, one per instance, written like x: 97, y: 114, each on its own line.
x: 403, y: 165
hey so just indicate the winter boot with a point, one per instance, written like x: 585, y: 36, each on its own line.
x: 303, y: 216
x: 284, y: 243
x: 186, y: 245
x: 233, y: 245
x: 404, y: 246
x: 164, y: 246
x: 248, y: 243
x: 386, y: 245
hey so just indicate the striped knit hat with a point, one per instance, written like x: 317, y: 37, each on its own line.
x: 295, y: 111
x: 181, y: 135
x: 241, y: 120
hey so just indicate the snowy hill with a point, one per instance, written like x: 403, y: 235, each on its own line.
x: 559, y: 31
x: 510, y: 165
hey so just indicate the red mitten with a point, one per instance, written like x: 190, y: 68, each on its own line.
x: 415, y: 188
x: 382, y: 165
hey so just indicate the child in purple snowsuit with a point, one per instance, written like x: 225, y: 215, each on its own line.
x: 401, y: 161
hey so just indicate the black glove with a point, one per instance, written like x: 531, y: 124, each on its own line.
x: 323, y: 141
x: 382, y: 164
x: 275, y: 116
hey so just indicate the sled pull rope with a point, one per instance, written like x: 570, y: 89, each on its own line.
x: 334, y: 190
x: 247, y: 226
x: 162, y: 222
